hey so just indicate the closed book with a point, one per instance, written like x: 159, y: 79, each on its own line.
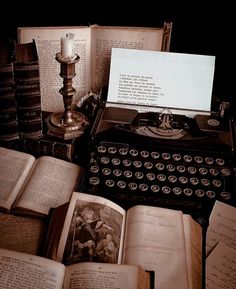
x: 27, y: 87
x: 8, y: 108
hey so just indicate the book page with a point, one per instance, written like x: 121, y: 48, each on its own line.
x: 20, y: 271
x: 222, y: 226
x: 14, y: 168
x: 22, y: 234
x: 93, y: 231
x: 106, y: 276
x: 156, y: 80
x: 193, y: 245
x: 50, y: 185
x: 221, y: 268
x: 104, y: 38
x: 48, y: 44
x: 155, y: 240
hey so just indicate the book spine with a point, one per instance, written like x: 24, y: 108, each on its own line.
x: 27, y: 87
x: 43, y: 147
x: 8, y: 108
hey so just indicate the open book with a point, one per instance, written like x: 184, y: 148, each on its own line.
x: 34, y: 186
x: 161, y: 240
x: 30, y: 271
x: 93, y: 45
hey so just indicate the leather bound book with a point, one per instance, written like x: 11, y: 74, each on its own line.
x: 8, y: 108
x: 27, y: 87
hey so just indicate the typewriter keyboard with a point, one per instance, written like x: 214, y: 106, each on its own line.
x: 188, y: 179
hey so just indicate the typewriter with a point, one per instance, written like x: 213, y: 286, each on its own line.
x: 161, y: 159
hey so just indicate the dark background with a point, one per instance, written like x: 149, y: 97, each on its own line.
x: 199, y: 27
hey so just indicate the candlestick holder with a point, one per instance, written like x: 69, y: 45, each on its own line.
x: 68, y: 124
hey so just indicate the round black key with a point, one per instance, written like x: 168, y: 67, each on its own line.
x: 225, y: 172
x: 187, y: 158
x: 177, y: 191
x: 166, y: 190
x: 94, y: 181
x: 161, y: 177
x: 150, y: 176
x: 160, y: 166
x: 137, y: 164
x: 121, y: 184
x: 172, y: 179
x: 106, y: 171
x: 194, y: 181
x: 203, y: 171
x: 170, y: 167
x: 200, y: 193
x: 198, y: 160
x: 176, y: 157
x: 183, y: 180
x: 144, y: 154
x: 123, y: 151
x: 112, y: 150
x: 94, y: 169
x: 133, y: 152
x: 128, y: 174
x: 216, y: 183
x: 139, y: 175
x: 155, y: 188
x: 181, y: 168
x: 220, y: 161
x: 115, y: 162
x: 191, y: 170
x: 143, y: 187
x: 105, y: 160
x: 209, y: 160
x: 226, y: 196
x: 148, y: 165
x: 210, y: 194
x: 214, y: 172
x: 155, y: 155
x: 188, y: 192
x: 132, y: 186
x: 117, y: 173
x: 102, y: 149
x: 110, y: 183
x: 205, y: 182
x: 127, y: 162
x: 165, y: 156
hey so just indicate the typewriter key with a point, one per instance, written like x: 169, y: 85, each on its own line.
x: 200, y: 193
x: 148, y: 165
x: 128, y: 174
x: 110, y: 183
x: 143, y: 187
x: 216, y: 183
x: 170, y: 168
x: 112, y: 150
x: 133, y: 152
x: 187, y: 158
x: 177, y: 191
x: 220, y: 162
x: 225, y: 172
x: 155, y: 155
x: 117, y: 173
x: 150, y: 177
x: 203, y: 171
x: 115, y: 162
x: 181, y: 168
x: 132, y: 186
x: 139, y: 175
x: 127, y: 162
x: 106, y: 171
x: 225, y: 195
x: 137, y: 164
x: 123, y: 151
x: 105, y: 160
x: 94, y: 169
x: 102, y: 149
x: 176, y: 157
x: 161, y: 177
x: 209, y: 160
x: 165, y: 156
x: 191, y: 170
x: 188, y: 192
x: 172, y: 179
x: 210, y: 194
x: 94, y: 181
x: 205, y: 182
x: 155, y: 188
x: 198, y: 160
x: 183, y: 180
x: 160, y: 166
x: 166, y: 190
x: 214, y: 172
x: 194, y: 181
x: 144, y: 154
x: 121, y: 184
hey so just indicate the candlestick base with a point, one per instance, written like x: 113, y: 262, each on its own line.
x: 59, y: 125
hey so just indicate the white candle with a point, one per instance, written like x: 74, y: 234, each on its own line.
x: 67, y: 46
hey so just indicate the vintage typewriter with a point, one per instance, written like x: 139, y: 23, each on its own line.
x: 162, y: 159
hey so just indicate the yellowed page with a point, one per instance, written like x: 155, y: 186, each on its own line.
x: 193, y: 245
x: 48, y: 44
x: 23, y: 234
x: 93, y: 231
x: 101, y: 275
x: 51, y: 184
x: 221, y: 268
x: 104, y: 38
x: 155, y: 240
x: 20, y: 271
x: 222, y: 226
x: 14, y: 168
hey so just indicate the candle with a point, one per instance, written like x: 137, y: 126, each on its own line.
x: 67, y: 43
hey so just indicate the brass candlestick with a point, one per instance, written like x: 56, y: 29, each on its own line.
x: 68, y: 124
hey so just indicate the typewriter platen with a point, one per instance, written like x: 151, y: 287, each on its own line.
x: 162, y: 159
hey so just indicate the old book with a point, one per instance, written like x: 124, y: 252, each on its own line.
x: 93, y: 44
x: 27, y: 90
x: 96, y: 229
x: 34, y: 186
x: 45, y: 146
x: 31, y: 271
x: 8, y: 108
x: 23, y: 234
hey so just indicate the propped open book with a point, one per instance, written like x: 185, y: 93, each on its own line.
x: 34, y: 186
x: 20, y: 270
x: 165, y: 241
x: 93, y: 45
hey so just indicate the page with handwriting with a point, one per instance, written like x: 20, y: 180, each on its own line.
x: 155, y: 240
x: 157, y: 80
x: 221, y: 268
x: 222, y: 226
